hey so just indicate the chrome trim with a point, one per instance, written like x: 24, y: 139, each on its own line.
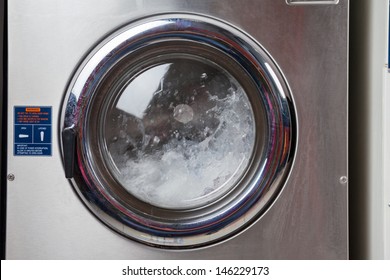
x: 311, y: 2
x: 271, y: 162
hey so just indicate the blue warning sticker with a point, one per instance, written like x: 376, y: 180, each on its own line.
x: 32, y: 131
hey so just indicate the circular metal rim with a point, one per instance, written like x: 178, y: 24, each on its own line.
x: 142, y: 62
x: 239, y: 46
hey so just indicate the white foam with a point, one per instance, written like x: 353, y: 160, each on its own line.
x: 185, y: 173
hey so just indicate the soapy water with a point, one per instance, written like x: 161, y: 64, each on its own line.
x: 188, y: 152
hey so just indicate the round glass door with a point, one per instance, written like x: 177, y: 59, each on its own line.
x: 179, y: 134
x: 183, y: 128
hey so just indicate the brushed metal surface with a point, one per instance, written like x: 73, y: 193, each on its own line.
x: 47, y: 40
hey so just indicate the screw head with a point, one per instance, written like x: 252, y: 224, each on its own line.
x: 11, y: 177
x: 343, y: 180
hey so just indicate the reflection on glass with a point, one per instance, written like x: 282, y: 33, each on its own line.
x: 180, y: 134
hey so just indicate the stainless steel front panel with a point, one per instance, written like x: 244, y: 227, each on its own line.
x: 47, y: 40
x: 205, y: 154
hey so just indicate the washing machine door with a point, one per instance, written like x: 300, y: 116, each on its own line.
x: 178, y: 131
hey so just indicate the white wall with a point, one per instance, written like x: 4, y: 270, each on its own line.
x: 386, y: 152
x: 386, y: 161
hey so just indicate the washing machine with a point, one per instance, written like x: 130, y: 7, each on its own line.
x: 144, y: 129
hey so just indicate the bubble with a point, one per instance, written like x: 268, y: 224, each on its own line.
x: 183, y: 113
x: 156, y: 140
